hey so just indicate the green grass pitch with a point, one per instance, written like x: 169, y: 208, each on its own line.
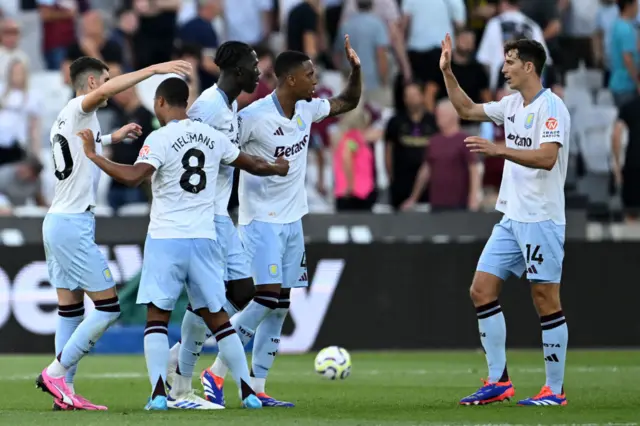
x: 385, y: 388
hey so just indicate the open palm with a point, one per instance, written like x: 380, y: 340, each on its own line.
x: 445, y: 56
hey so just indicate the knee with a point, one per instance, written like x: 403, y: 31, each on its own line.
x: 241, y: 292
x: 546, y: 298
x: 484, y: 289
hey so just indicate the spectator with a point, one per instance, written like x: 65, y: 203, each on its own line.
x: 268, y: 80
x: 368, y: 36
x: 249, y: 21
x: 302, y: 28
x: 607, y: 14
x: 31, y: 33
x: 353, y: 162
x: 448, y: 167
x: 58, y: 29
x: 19, y: 116
x: 628, y: 176
x: 407, y: 135
x: 93, y: 42
x: 426, y: 27
x: 122, y: 35
x: 493, y: 166
x: 20, y: 183
x: 153, y: 43
x: 320, y: 139
x: 9, y: 51
x: 191, y: 53
x: 200, y: 32
x: 471, y: 75
x: 624, y: 82
x: 128, y: 110
x: 546, y: 13
x: 332, y: 13
x: 510, y: 24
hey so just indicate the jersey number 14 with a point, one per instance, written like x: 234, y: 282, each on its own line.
x: 185, y: 179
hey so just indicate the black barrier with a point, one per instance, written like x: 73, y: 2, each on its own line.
x: 378, y: 296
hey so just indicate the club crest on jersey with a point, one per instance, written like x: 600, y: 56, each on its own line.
x: 107, y: 275
x: 144, y: 152
x: 528, y: 122
x: 273, y: 270
x: 300, y: 123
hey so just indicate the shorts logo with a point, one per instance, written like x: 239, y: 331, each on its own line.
x: 528, y: 123
x: 300, y: 123
x: 273, y: 270
x: 144, y: 152
x: 551, y: 123
x: 107, y: 275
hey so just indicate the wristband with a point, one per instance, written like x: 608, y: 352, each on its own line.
x: 105, y: 140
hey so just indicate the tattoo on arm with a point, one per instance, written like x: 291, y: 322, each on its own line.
x: 350, y: 96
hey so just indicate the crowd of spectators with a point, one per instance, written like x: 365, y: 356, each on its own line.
x: 402, y: 147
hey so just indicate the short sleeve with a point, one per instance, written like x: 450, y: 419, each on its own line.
x: 552, y: 123
x: 230, y: 152
x: 319, y: 108
x: 628, y: 39
x: 153, y: 151
x: 77, y: 107
x: 245, y: 128
x: 495, y: 110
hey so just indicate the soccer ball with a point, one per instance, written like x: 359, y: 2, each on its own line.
x: 333, y: 363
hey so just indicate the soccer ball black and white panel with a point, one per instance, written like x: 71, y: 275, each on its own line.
x: 333, y: 363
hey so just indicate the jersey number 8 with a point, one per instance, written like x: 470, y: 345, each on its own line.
x: 193, y: 170
x: 67, y: 160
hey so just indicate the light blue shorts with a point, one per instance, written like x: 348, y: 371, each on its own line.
x: 73, y: 258
x: 238, y: 264
x: 518, y: 247
x: 171, y: 263
x: 277, y: 253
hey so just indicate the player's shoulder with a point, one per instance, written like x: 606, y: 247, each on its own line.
x: 195, y: 126
x: 310, y: 104
x: 259, y: 109
x: 553, y: 103
x: 73, y: 105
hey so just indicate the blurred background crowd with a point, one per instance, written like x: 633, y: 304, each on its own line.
x: 401, y: 149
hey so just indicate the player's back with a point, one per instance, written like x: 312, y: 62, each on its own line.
x: 528, y: 194
x: 187, y: 156
x: 76, y: 176
x: 212, y: 107
x: 267, y: 133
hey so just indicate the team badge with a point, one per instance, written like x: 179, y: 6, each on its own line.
x: 144, y: 152
x: 273, y: 270
x: 528, y: 123
x: 107, y: 275
x: 300, y: 123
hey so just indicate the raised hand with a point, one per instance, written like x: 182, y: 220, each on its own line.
x: 352, y: 56
x: 445, y: 56
x: 128, y: 131
x: 88, y: 142
x: 182, y: 68
x: 283, y: 165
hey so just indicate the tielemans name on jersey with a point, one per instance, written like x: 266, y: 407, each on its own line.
x: 288, y: 151
x: 198, y: 138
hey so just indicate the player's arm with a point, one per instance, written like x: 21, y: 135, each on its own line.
x: 466, y: 108
x: 260, y: 167
x: 94, y: 99
x: 130, y: 175
x: 349, y: 98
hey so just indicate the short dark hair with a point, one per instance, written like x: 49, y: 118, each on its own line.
x: 263, y: 50
x: 623, y: 4
x: 85, y: 65
x: 528, y: 51
x: 231, y: 53
x: 288, y: 61
x: 175, y: 91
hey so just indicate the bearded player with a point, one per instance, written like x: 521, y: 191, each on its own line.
x: 530, y: 236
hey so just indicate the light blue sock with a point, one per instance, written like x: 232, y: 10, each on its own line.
x: 89, y: 331
x: 69, y: 318
x: 232, y: 353
x: 267, y: 341
x: 493, y: 335
x: 193, y: 335
x: 247, y: 321
x: 156, y: 353
x: 555, y: 336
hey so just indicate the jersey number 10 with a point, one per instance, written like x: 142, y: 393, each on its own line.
x: 193, y: 170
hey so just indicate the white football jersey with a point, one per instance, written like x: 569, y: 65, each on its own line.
x: 527, y: 194
x: 77, y: 177
x: 267, y: 133
x: 186, y: 155
x: 212, y: 108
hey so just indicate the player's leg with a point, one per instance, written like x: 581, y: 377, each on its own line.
x: 70, y: 315
x: 543, y: 248
x: 69, y: 239
x: 268, y: 334
x: 164, y: 270
x: 207, y: 295
x: 500, y: 258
